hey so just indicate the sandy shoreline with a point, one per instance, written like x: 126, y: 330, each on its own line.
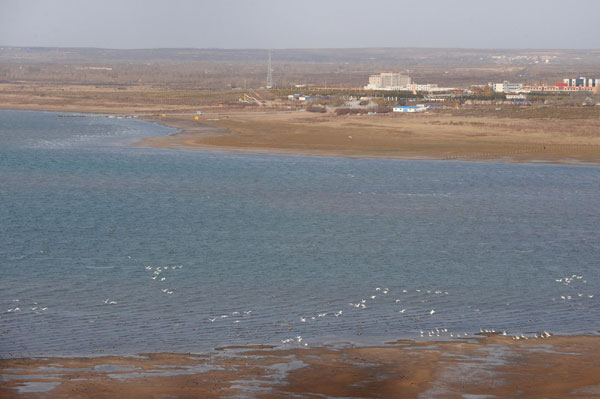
x: 555, y: 367
x: 435, y: 136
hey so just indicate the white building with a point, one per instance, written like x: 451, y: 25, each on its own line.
x: 399, y: 82
x: 389, y: 81
x: 410, y: 108
x: 427, y: 87
x: 507, y: 87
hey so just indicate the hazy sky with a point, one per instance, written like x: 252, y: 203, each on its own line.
x: 301, y: 23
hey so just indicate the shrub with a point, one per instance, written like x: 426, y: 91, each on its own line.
x: 316, y: 108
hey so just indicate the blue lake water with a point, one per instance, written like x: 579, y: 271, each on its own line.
x: 269, y: 241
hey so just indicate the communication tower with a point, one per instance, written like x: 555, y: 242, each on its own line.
x: 269, y: 73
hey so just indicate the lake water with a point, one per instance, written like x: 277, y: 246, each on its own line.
x: 249, y: 246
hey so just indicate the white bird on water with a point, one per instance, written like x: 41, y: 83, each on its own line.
x: 432, y: 311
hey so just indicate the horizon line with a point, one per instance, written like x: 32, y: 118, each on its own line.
x: 302, y: 48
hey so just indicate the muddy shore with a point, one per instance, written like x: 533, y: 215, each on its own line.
x: 439, y: 136
x: 494, y: 366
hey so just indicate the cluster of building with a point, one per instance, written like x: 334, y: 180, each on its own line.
x: 567, y: 85
x: 398, y: 82
x: 523, y: 59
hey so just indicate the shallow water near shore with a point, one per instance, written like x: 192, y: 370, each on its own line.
x: 109, y: 248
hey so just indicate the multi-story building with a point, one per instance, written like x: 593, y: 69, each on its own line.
x: 374, y: 81
x: 397, y: 81
x: 582, y: 82
x: 389, y: 81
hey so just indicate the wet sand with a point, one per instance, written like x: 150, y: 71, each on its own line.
x: 425, y: 136
x: 495, y: 366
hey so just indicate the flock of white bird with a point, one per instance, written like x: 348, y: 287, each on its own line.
x: 360, y: 304
x: 159, y: 274
x: 381, y: 292
x: 34, y: 307
x: 156, y: 276
x: 568, y: 280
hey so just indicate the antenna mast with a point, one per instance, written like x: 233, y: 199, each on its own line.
x: 269, y: 73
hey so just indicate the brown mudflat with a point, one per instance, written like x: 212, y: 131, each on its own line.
x: 501, y: 367
x: 440, y: 135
